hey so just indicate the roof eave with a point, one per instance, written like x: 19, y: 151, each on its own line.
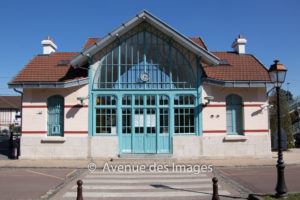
x: 206, y: 56
x: 249, y: 83
x: 53, y: 84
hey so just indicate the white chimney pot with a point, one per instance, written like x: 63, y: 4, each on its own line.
x: 48, y: 46
x: 239, y: 45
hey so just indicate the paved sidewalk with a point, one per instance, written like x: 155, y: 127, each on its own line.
x: 148, y: 185
x: 291, y: 157
x: 262, y: 180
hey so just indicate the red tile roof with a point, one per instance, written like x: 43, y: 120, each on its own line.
x: 46, y: 68
x: 199, y: 41
x: 89, y: 42
x: 10, y: 102
x: 241, y: 68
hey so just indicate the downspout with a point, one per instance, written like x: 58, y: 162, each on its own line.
x: 19, y: 145
x: 21, y: 108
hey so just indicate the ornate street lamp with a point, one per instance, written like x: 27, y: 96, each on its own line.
x: 277, y: 74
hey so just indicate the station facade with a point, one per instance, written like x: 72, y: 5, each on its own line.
x: 144, y: 88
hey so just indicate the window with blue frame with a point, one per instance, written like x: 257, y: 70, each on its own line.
x: 234, y: 114
x: 106, y: 115
x: 184, y: 114
x: 55, y: 115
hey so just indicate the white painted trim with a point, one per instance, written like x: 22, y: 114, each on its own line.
x: 235, y: 138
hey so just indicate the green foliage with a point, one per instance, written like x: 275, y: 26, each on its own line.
x: 295, y: 196
x: 4, y: 131
x: 288, y: 95
x: 294, y: 117
x: 286, y: 123
x: 15, y: 129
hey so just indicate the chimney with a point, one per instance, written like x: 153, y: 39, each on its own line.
x: 48, y: 46
x: 239, y: 45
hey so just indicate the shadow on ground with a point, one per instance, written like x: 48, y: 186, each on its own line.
x: 4, y: 147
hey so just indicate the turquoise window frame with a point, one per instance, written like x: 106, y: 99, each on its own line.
x: 191, y: 62
x: 55, y: 121
x: 185, y: 106
x: 234, y: 107
x: 107, y: 114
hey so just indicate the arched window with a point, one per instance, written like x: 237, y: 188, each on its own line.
x: 145, y: 60
x: 234, y: 114
x: 55, y: 115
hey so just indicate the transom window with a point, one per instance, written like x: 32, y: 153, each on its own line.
x: 106, y: 100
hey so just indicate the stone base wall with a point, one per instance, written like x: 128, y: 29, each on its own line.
x: 219, y: 146
x: 254, y: 145
x: 212, y: 146
x: 71, y: 146
x: 104, y: 147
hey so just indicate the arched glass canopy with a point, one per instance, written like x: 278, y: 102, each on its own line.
x: 145, y: 58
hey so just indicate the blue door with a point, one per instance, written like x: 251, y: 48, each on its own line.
x: 145, y: 134
x: 145, y: 126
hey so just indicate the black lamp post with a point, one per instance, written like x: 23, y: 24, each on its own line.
x: 277, y: 74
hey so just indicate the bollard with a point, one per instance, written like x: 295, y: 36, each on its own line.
x: 215, y: 195
x: 79, y: 190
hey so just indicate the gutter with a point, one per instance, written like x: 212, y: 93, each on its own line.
x: 237, y: 83
x: 21, y: 112
x: 49, y: 84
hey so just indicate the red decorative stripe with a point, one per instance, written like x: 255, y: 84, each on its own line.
x: 259, y: 130
x: 66, y: 106
x: 34, y: 132
x: 76, y: 132
x: 215, y: 105
x: 214, y: 131
x: 35, y: 106
x: 66, y: 132
x: 224, y: 105
x: 252, y: 105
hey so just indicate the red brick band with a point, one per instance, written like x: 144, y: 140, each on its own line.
x: 248, y: 131
x: 66, y: 106
x: 65, y: 132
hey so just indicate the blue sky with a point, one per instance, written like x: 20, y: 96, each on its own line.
x: 272, y: 27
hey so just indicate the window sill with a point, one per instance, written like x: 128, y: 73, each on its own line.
x: 53, y: 139
x: 235, y: 138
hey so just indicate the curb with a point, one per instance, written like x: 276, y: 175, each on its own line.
x: 61, y: 185
x: 255, y: 197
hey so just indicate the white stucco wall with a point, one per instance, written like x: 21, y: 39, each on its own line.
x: 256, y: 140
x: 35, y: 109
x: 76, y: 143
x: 36, y: 144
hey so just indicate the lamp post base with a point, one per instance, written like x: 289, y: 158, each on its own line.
x: 281, y: 196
